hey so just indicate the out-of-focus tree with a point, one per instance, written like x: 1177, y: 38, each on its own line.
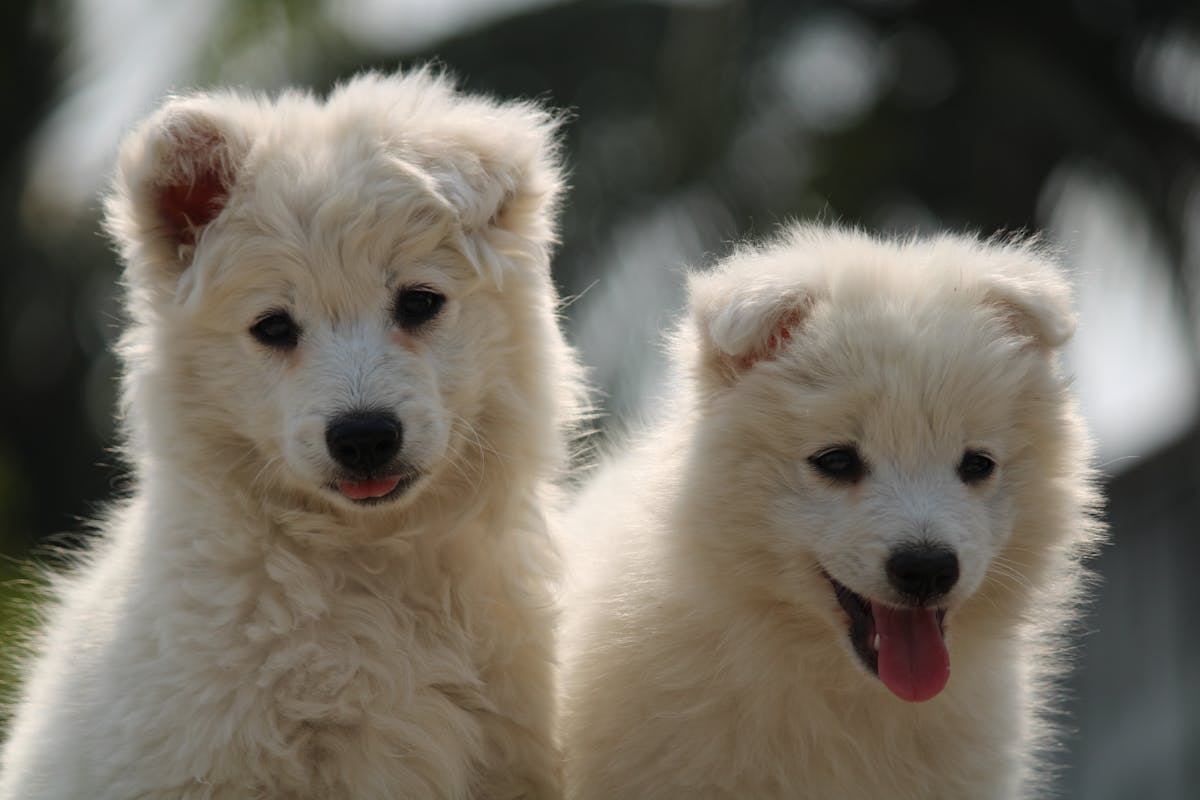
x: 42, y: 427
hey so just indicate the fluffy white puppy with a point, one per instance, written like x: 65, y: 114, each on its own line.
x: 837, y: 567
x: 345, y: 395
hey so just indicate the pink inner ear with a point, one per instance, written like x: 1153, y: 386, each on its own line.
x: 775, y: 340
x: 188, y: 207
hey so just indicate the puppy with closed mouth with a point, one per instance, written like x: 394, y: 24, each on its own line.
x: 345, y: 401
x: 840, y: 562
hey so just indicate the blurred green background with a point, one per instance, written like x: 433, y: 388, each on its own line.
x: 696, y: 123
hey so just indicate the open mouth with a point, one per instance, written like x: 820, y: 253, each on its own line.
x: 370, y: 491
x: 904, y: 647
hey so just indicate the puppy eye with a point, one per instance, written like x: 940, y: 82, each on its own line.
x: 841, y: 464
x: 975, y: 467
x: 277, y: 330
x: 414, y: 307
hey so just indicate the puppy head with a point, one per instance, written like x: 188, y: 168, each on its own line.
x: 747, y: 310
x: 875, y: 414
x: 337, y: 298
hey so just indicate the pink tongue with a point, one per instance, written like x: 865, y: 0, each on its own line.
x: 913, y: 661
x: 364, y: 490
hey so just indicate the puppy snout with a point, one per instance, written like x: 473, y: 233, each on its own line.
x: 363, y: 442
x: 922, y: 572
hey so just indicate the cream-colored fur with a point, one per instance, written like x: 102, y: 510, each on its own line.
x: 706, y: 655
x: 244, y: 629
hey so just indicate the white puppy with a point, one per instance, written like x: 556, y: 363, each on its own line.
x: 345, y: 394
x: 837, y: 568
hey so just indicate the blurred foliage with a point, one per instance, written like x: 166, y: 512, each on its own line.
x: 894, y: 113
x: 969, y: 109
x: 22, y: 592
x: 43, y: 431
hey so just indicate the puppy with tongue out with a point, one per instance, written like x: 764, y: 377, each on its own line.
x: 838, y: 565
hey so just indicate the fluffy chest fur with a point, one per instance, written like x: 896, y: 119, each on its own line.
x: 741, y: 695
x: 247, y: 663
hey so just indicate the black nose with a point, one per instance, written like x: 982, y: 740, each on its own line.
x: 364, y: 441
x: 922, y: 572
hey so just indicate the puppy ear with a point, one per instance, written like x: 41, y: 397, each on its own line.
x: 742, y: 324
x: 1032, y: 297
x: 496, y: 165
x: 174, y: 175
x: 1035, y: 317
x: 506, y: 178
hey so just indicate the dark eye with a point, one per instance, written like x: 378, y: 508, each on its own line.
x: 277, y: 330
x: 975, y: 467
x: 842, y: 464
x: 414, y: 307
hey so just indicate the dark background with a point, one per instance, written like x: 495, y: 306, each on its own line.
x: 695, y: 124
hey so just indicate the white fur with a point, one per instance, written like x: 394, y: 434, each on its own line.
x: 706, y: 654
x: 243, y: 630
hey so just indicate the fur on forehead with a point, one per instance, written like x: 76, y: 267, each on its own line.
x: 751, y: 306
x: 406, y: 153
